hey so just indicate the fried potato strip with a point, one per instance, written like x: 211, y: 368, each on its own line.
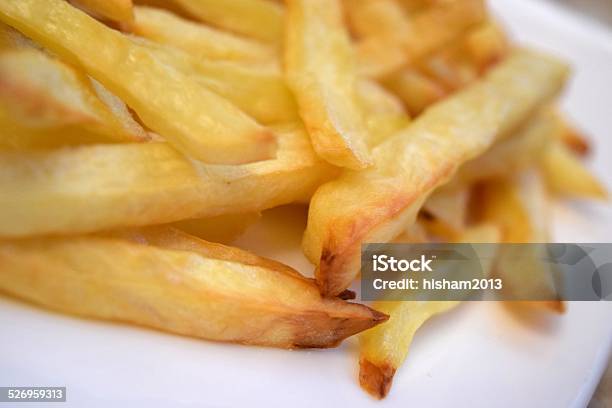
x: 46, y: 103
x: 424, y: 33
x: 258, y: 19
x: 321, y: 73
x: 519, y: 206
x: 194, y: 119
x: 199, y: 40
x: 384, y: 114
x: 222, y: 228
x: 120, y: 11
x: 567, y: 176
x: 376, y: 204
x: 513, y: 154
x: 383, y: 349
x: 260, y: 91
x: 93, y: 188
x: 179, y: 284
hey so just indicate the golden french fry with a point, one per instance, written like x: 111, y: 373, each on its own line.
x: 465, y: 59
x: 442, y: 23
x: 383, y: 349
x: 40, y: 94
x: 259, y: 91
x: 180, y: 284
x: 417, y: 6
x: 428, y: 31
x: 519, y: 206
x: 485, y: 45
x: 449, y: 206
x: 566, y: 175
x: 258, y: 19
x: 120, y: 11
x: 461, y: 61
x: 414, y: 233
x: 514, y: 154
x: 376, y: 204
x: 197, y: 121
x: 377, y: 18
x: 376, y: 60
x: 376, y: 99
x: 320, y: 71
x: 46, y: 103
x: 144, y: 184
x: 199, y: 40
x: 383, y: 112
x: 577, y: 141
x: 11, y: 39
x: 415, y: 89
x: 450, y: 70
x: 19, y: 136
x: 222, y: 228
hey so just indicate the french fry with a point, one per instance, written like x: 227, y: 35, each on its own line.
x: 11, y: 39
x: 199, y: 40
x: 416, y: 90
x: 320, y: 71
x: 144, y: 184
x: 120, y: 11
x: 375, y: 60
x: 377, y: 18
x: 465, y: 59
x: 259, y: 91
x: 170, y: 102
x: 376, y: 204
x: 519, y: 206
x: 485, y: 45
x: 416, y: 6
x: 449, y: 206
x: 182, y: 285
x: 384, y: 113
x: 566, y: 175
x: 414, y: 233
x: 46, y: 103
x: 442, y: 23
x: 383, y: 349
x: 222, y: 229
x: 376, y: 99
x: 514, y: 154
x: 258, y: 19
x: 449, y: 69
x: 574, y: 139
x: 429, y: 31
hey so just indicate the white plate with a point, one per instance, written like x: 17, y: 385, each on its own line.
x: 478, y: 355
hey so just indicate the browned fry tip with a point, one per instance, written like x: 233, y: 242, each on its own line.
x: 375, y: 379
x: 311, y: 335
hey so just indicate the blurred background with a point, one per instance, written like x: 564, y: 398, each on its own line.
x: 599, y: 9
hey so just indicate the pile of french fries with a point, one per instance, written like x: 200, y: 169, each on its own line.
x: 134, y: 135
